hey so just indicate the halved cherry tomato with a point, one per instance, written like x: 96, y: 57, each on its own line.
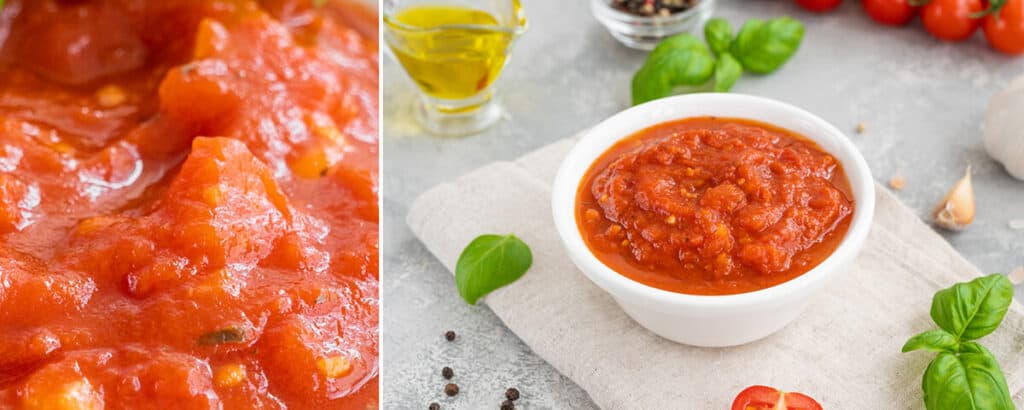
x: 819, y: 6
x: 950, y: 20
x: 770, y: 398
x: 890, y: 12
x: 1005, y: 28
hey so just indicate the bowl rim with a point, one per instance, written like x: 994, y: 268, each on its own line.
x: 598, y: 139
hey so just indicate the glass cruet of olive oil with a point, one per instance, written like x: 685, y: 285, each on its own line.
x: 453, y: 50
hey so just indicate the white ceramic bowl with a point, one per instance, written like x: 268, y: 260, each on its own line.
x: 726, y: 320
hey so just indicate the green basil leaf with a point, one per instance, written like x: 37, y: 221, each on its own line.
x: 763, y: 46
x: 490, y: 262
x: 727, y: 71
x: 936, y: 340
x: 973, y: 309
x: 677, y: 61
x: 718, y: 34
x: 970, y: 380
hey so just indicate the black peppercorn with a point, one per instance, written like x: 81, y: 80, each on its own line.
x: 451, y: 389
x: 447, y: 372
x: 512, y: 394
x: 449, y: 335
x: 434, y: 406
x: 648, y: 8
x: 508, y: 405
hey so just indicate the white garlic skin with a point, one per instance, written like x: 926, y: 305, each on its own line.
x: 1003, y: 133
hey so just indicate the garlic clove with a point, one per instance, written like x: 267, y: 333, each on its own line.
x: 956, y: 210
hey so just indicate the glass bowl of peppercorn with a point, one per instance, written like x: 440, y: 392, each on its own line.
x: 641, y: 24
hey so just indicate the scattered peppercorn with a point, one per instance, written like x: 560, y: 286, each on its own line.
x: 451, y: 389
x: 434, y: 406
x: 512, y: 394
x: 447, y: 372
x: 508, y: 405
x: 649, y: 8
x: 449, y: 335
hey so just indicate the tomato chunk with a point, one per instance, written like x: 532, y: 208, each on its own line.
x: 770, y: 398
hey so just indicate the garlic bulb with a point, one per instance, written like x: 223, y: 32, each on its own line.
x: 1004, y: 128
x: 956, y: 210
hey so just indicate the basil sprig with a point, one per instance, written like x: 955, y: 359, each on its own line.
x: 676, y: 61
x: 763, y: 46
x: 490, y: 262
x: 965, y: 375
x: 974, y: 309
x: 718, y: 34
x: 727, y: 71
x: 683, y: 60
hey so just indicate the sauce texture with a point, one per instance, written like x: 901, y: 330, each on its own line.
x: 188, y: 205
x: 713, y: 206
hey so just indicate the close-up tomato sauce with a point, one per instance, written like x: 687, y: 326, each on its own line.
x: 188, y: 204
x: 713, y: 206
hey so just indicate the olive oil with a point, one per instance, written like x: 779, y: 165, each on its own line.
x: 451, y: 52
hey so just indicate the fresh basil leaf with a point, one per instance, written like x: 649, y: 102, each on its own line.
x: 727, y: 71
x: 973, y: 309
x: 969, y: 380
x: 718, y: 34
x: 677, y: 61
x: 490, y: 262
x: 763, y: 46
x: 936, y: 340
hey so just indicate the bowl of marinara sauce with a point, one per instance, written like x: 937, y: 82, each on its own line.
x: 712, y: 219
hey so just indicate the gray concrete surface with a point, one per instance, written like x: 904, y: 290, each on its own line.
x: 921, y: 101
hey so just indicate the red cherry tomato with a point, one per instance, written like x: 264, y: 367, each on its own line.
x: 890, y: 12
x: 950, y: 20
x: 1005, y: 29
x: 769, y: 398
x: 819, y: 6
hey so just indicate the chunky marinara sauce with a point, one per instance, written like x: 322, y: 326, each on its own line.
x: 188, y: 205
x: 713, y: 206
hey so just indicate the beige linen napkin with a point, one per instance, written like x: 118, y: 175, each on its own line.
x: 844, y: 348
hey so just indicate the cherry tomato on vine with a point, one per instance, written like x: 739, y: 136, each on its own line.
x: 1005, y: 28
x: 950, y: 20
x: 769, y: 398
x: 890, y: 12
x: 819, y: 6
